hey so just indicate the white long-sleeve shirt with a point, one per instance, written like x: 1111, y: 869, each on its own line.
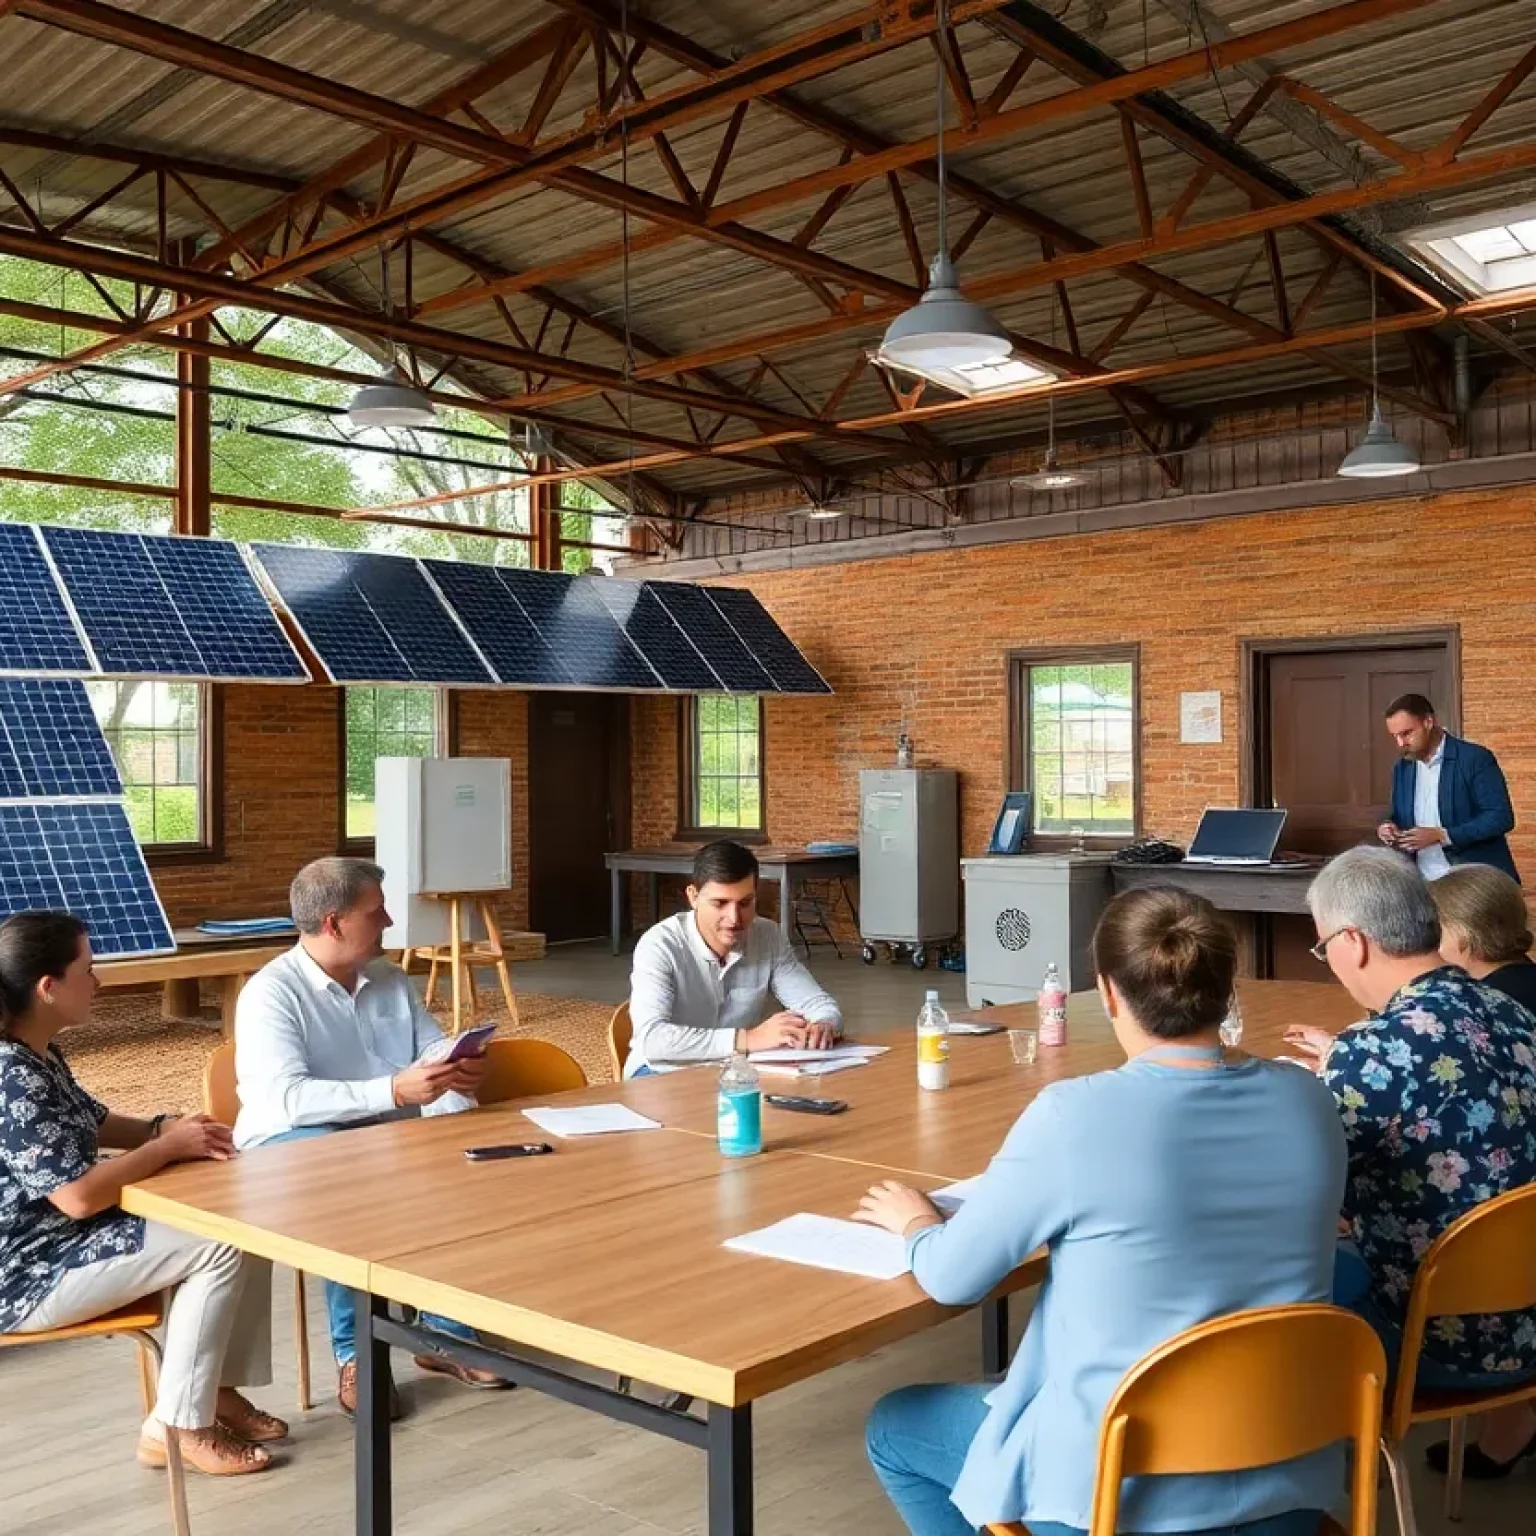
x: 1432, y: 860
x: 308, y: 1052
x: 686, y: 1004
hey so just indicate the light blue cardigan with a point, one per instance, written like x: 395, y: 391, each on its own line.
x: 1168, y: 1195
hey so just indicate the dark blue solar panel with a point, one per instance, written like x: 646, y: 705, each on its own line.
x: 232, y: 625
x: 506, y: 636
x: 122, y: 604
x: 780, y: 658
x: 580, y: 630
x: 102, y: 877
x: 50, y: 743
x: 652, y: 629
x: 719, y: 644
x: 36, y: 632
x: 27, y: 880
x: 371, y: 618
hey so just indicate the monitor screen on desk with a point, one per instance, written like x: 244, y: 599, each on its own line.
x: 1235, y: 834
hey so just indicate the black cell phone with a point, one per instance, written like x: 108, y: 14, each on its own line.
x: 496, y: 1154
x: 806, y: 1106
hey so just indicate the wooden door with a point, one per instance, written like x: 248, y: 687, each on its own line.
x: 578, y: 808
x: 1328, y: 758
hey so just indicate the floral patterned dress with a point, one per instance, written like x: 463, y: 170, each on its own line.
x: 1438, y: 1098
x: 48, y: 1138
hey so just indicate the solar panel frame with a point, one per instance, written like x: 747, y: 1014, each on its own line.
x: 711, y: 634
x: 38, y: 633
x: 778, y: 655
x: 51, y: 745
x: 652, y: 630
x: 601, y: 657
x: 506, y: 639
x: 82, y: 857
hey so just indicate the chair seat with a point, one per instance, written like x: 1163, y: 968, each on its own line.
x: 147, y: 1312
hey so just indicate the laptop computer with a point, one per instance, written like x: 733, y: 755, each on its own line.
x: 1236, y: 837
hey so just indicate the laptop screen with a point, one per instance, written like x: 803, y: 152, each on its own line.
x: 1237, y: 835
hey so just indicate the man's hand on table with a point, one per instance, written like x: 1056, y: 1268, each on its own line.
x: 787, y: 1030
x: 1310, y: 1043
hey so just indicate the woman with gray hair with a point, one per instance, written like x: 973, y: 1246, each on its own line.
x: 1437, y: 1094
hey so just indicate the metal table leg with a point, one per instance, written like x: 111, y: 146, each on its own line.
x: 730, y: 1470
x: 787, y: 903
x: 994, y: 1338
x: 374, y: 1512
x: 615, y: 911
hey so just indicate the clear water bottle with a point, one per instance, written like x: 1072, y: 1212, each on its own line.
x: 1051, y: 1005
x: 932, y: 1044
x: 1232, y: 1026
x: 739, y: 1109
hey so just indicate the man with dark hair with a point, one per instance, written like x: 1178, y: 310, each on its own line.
x: 701, y: 979
x: 1450, y: 804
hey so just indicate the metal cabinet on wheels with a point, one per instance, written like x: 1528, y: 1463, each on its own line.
x: 909, y: 861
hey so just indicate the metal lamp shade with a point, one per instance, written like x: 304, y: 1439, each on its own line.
x: 944, y: 329
x: 1380, y: 454
x: 391, y: 402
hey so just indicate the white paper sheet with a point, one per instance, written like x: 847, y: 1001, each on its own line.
x: 832, y: 1053
x: 591, y: 1120
x: 953, y: 1196
x: 810, y: 1068
x: 824, y: 1242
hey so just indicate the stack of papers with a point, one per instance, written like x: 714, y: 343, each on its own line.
x: 591, y: 1120
x: 782, y: 1053
x: 824, y: 1242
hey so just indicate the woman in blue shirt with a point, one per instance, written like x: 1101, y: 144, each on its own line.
x: 1186, y: 1185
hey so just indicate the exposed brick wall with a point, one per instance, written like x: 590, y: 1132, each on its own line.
x: 493, y: 724
x: 929, y: 634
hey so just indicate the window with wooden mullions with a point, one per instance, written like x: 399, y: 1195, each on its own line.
x: 722, y: 767
x: 385, y: 722
x: 1073, y: 744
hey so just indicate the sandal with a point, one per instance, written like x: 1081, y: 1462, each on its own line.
x: 249, y: 1423
x: 214, y: 1452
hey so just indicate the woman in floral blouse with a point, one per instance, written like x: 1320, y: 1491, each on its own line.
x: 69, y: 1253
x: 1437, y: 1092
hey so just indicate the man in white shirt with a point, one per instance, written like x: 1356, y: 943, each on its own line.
x: 332, y: 1035
x: 701, y: 980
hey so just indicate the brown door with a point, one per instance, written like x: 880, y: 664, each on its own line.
x: 578, y: 808
x: 1327, y: 758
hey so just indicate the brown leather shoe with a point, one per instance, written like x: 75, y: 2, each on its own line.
x: 346, y: 1393
x: 440, y: 1365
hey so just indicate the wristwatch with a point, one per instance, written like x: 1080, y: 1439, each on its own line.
x: 157, y: 1124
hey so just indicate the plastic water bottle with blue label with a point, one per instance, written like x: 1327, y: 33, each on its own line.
x: 1232, y: 1026
x: 739, y: 1109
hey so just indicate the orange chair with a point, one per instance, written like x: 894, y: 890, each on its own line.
x: 621, y: 1031
x: 1485, y: 1262
x: 136, y: 1321
x: 520, y: 1068
x: 222, y: 1101
x: 1245, y: 1391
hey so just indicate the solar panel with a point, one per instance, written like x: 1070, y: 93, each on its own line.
x: 370, y: 618
x: 655, y: 633
x: 50, y: 743
x: 504, y: 634
x: 706, y: 627
x: 37, y: 635
x: 580, y: 630
x: 777, y: 653
x: 232, y: 625
x: 82, y: 858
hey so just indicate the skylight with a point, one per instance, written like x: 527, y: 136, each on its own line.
x: 1487, y: 257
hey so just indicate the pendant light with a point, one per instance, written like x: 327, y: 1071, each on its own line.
x: 1380, y: 454
x: 391, y: 400
x: 944, y: 329
x: 1050, y: 476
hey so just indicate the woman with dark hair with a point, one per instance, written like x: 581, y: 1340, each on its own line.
x: 1485, y: 928
x: 69, y: 1253
x: 1188, y: 1184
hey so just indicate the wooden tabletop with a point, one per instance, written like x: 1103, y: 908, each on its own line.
x: 609, y: 1252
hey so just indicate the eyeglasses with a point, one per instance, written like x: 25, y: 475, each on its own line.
x: 1319, y: 951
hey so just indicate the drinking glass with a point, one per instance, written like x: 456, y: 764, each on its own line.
x: 1023, y: 1042
x: 1232, y: 1027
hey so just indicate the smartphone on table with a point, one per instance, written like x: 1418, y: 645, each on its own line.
x: 500, y: 1154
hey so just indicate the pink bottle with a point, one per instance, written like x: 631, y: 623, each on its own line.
x: 1051, y: 1006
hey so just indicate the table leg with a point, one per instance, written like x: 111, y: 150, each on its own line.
x: 229, y: 996
x: 180, y: 999
x: 730, y: 1470
x: 655, y: 891
x: 615, y: 911
x: 372, y: 1449
x: 994, y: 1338
x: 787, y: 903
x: 456, y: 952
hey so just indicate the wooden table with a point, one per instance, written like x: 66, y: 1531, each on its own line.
x: 788, y: 866
x: 1257, y: 888
x: 608, y: 1255
x: 230, y: 965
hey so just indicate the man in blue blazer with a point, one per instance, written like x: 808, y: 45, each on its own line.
x: 1450, y: 804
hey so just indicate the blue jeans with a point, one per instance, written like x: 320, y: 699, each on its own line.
x: 341, y: 1300
x: 917, y: 1439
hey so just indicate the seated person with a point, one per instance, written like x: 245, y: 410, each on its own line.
x: 1486, y: 930
x: 68, y: 1253
x: 1437, y: 1093
x: 701, y: 979
x: 330, y: 1036
x: 1188, y: 1184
